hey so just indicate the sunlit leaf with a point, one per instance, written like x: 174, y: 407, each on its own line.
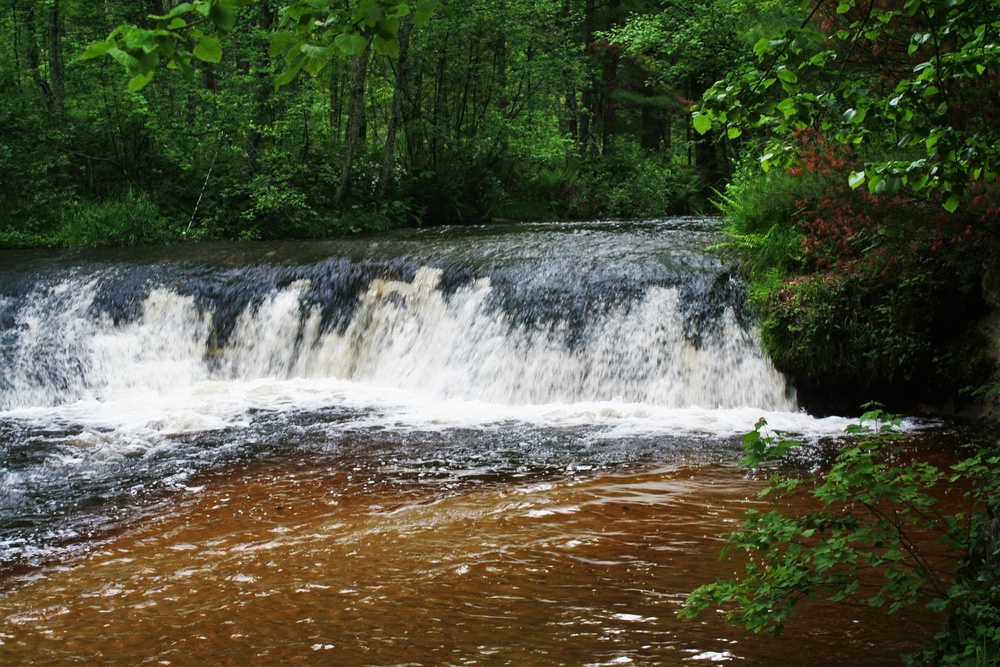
x: 209, y: 50
x: 761, y: 47
x: 97, y: 50
x: 702, y: 123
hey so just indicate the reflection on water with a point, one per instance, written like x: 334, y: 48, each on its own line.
x: 280, y: 563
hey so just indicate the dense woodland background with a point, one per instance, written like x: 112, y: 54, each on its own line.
x: 506, y: 109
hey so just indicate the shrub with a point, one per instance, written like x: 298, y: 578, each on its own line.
x: 859, y: 545
x: 129, y: 220
x: 627, y: 182
x: 859, y: 293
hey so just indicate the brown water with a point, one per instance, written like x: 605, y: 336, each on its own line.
x: 295, y: 563
x: 508, y: 445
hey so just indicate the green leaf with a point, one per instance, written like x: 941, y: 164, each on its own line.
x: 209, y: 50
x: 424, y: 10
x: 398, y: 11
x: 316, y: 57
x: 856, y: 179
x: 373, y: 13
x: 147, y: 62
x: 761, y: 47
x: 702, y: 123
x: 140, y: 40
x: 179, y: 9
x: 166, y: 46
x: 787, y: 75
x: 386, y: 47
x: 951, y: 204
x: 129, y: 62
x: 938, y: 605
x: 223, y: 16
x: 351, y: 44
x: 388, y: 29
x: 733, y: 132
x: 288, y: 75
x: 280, y: 43
x: 97, y: 50
x: 184, y: 63
x: 139, y: 81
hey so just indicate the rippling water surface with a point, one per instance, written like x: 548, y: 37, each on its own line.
x: 274, y: 563
x: 499, y: 446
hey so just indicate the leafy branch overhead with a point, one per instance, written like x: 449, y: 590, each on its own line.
x: 316, y: 31
x: 867, y: 539
x: 912, y: 86
x: 190, y: 31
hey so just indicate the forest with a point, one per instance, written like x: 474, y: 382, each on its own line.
x: 475, y: 111
x: 852, y: 148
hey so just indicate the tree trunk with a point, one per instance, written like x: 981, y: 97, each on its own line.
x: 15, y: 30
x: 355, y: 122
x: 651, y: 134
x: 587, y: 99
x: 388, y: 154
x: 262, y: 88
x: 56, y: 65
x: 572, y: 115
x: 32, y: 53
x: 609, y: 107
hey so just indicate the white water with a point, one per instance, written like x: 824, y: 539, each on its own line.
x: 425, y: 358
x: 527, y: 352
x: 340, y: 409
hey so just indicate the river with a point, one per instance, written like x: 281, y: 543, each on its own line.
x: 498, y: 445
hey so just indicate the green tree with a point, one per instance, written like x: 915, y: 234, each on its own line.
x: 679, y: 51
x: 170, y: 110
x: 912, y: 87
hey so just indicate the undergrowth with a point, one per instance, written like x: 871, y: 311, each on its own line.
x: 860, y: 294
x: 866, y: 543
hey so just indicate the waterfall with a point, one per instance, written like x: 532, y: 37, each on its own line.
x: 678, y: 343
x: 434, y: 354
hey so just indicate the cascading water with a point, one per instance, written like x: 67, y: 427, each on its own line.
x: 664, y: 339
x: 524, y: 436
x: 125, y: 373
